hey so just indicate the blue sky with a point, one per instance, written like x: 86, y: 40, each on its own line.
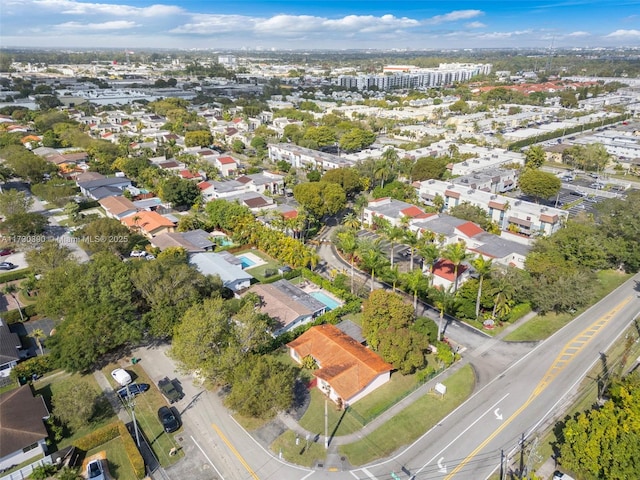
x: 325, y: 24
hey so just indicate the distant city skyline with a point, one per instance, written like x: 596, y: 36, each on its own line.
x: 327, y: 24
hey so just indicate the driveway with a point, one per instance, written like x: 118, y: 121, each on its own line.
x: 215, y: 445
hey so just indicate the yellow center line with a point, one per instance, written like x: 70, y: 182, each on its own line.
x: 558, y: 365
x: 235, y: 452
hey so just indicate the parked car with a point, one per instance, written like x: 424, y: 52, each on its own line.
x: 95, y: 471
x: 133, y: 389
x: 121, y: 376
x: 7, y: 266
x: 558, y: 475
x: 167, y: 418
x: 138, y: 253
x: 150, y: 257
x: 169, y: 390
x: 6, y: 251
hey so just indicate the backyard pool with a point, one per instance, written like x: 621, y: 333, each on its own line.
x: 246, y: 262
x: 326, y: 299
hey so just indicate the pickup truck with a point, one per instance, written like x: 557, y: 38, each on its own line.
x: 169, y: 390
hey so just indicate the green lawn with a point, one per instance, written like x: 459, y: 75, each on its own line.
x: 259, y: 271
x: 104, y: 414
x: 413, y: 421
x: 340, y: 423
x: 543, y: 326
x: 304, y: 453
x: 146, y: 411
x: 117, y: 459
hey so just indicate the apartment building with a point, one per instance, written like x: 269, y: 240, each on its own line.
x: 525, y: 218
x: 300, y: 157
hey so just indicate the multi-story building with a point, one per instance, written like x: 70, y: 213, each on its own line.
x: 519, y: 216
x: 300, y: 157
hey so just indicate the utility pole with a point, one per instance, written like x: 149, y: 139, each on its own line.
x: 326, y: 425
x: 521, y: 469
x: 502, y: 469
x: 131, y: 403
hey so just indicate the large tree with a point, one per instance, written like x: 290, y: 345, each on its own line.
x: 14, y: 201
x: 48, y: 256
x: 320, y: 198
x: 534, y: 157
x: 387, y: 325
x: 539, y: 184
x: 262, y: 386
x: 181, y: 193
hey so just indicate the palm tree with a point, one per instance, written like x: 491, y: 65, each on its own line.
x: 38, y: 335
x: 430, y: 253
x: 483, y: 268
x: 392, y: 275
x: 393, y: 234
x: 371, y: 258
x: 415, y: 281
x: 412, y: 240
x: 348, y: 243
x: 11, y: 289
x: 503, y: 291
x: 351, y: 221
x: 456, y: 253
x: 444, y: 301
x: 382, y: 171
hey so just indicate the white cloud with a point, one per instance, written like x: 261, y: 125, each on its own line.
x: 454, y: 16
x: 624, y: 34
x: 71, y: 7
x: 578, y: 34
x: 116, y: 25
x: 475, y: 25
x: 212, y: 24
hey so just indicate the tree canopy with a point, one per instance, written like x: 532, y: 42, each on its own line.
x: 539, y: 184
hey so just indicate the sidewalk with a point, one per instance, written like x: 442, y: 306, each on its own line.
x: 381, y: 419
x: 111, y: 395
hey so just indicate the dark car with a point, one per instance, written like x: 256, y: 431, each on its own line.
x: 168, y: 419
x: 6, y: 251
x: 169, y: 390
x: 7, y: 266
x: 133, y: 389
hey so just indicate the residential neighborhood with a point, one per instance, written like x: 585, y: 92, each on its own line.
x: 303, y: 253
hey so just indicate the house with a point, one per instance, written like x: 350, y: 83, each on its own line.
x: 347, y: 371
x: 9, y: 352
x: 102, y: 186
x: 117, y: 207
x: 444, y: 274
x: 226, y: 165
x: 230, y: 272
x: 149, y: 224
x: 394, y: 211
x: 193, y: 241
x: 287, y: 304
x: 22, y: 431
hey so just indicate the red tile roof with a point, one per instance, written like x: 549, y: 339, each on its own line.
x: 345, y: 364
x: 226, y: 160
x: 470, y: 229
x: 204, y: 185
x: 451, y: 194
x: 411, y: 211
x: 445, y: 269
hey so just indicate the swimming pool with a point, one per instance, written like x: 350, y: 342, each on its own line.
x: 327, y: 300
x: 246, y: 262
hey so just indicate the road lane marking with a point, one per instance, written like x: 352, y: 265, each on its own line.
x: 556, y: 368
x: 207, y: 457
x: 235, y: 452
x: 368, y: 474
x: 437, y: 455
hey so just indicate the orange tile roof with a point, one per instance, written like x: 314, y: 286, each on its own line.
x: 344, y: 363
x: 470, y: 229
x: 411, y: 211
x: 548, y: 218
x: 226, y: 160
x: 147, y: 221
x: 445, y: 269
x: 204, y: 185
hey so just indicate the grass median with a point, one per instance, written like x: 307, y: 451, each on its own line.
x: 413, y: 421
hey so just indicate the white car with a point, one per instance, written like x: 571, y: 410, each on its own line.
x: 121, y: 376
x: 138, y: 253
x: 95, y: 471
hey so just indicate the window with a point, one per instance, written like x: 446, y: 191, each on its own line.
x: 30, y: 447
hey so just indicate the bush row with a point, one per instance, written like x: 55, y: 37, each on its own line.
x: 137, y: 462
x: 98, y: 437
x: 15, y: 275
x: 109, y: 432
x: 13, y: 316
x: 518, y: 312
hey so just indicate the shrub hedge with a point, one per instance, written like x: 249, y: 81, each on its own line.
x: 13, y: 316
x: 15, y: 275
x: 518, y: 312
x: 109, y: 432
